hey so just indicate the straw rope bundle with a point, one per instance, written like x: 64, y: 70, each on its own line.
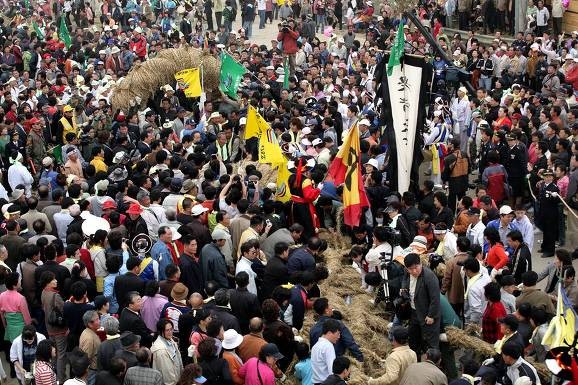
x: 147, y: 77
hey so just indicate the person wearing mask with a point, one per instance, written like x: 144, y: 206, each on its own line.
x: 23, y: 352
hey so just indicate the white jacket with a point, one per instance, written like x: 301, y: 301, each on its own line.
x: 18, y: 174
x: 16, y: 353
x: 475, y: 301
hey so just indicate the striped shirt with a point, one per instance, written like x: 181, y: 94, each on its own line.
x: 44, y: 373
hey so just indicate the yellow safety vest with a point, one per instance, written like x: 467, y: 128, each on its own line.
x: 68, y: 128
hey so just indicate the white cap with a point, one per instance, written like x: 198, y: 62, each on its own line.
x: 242, y: 121
x: 198, y: 210
x: 505, y: 210
x: 306, y: 130
x: 364, y: 122
x: 372, y: 162
x: 316, y: 141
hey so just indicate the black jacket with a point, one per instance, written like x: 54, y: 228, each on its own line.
x: 426, y: 296
x: 227, y: 318
x: 334, y: 379
x: 276, y: 274
x: 123, y: 284
x: 103, y: 377
x: 106, y: 352
x: 60, y: 272
x: 131, y: 321
x: 191, y: 274
x: 517, y: 161
x: 216, y: 371
x: 426, y: 205
x: 521, y: 262
x: 200, y: 232
x: 244, y: 306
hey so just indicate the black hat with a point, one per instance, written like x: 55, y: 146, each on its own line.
x: 128, y: 339
x: 510, y: 321
x: 272, y: 350
x: 474, y: 211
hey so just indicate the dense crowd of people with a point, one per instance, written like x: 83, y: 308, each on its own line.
x: 149, y: 246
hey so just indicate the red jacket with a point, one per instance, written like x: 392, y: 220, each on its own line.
x: 139, y: 47
x: 289, y: 40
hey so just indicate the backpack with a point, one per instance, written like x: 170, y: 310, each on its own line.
x: 55, y: 316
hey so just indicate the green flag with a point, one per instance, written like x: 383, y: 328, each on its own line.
x: 37, y: 30
x: 231, y: 73
x: 397, y: 50
x: 63, y: 32
x: 286, y: 78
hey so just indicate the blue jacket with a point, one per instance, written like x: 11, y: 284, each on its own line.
x: 298, y: 303
x: 345, y: 342
x: 161, y: 253
x: 300, y: 260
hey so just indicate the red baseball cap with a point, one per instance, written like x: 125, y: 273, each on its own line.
x: 34, y: 120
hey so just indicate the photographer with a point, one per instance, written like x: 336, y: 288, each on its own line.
x: 380, y: 258
x: 288, y: 37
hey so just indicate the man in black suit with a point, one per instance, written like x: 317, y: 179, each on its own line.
x: 548, y: 214
x: 276, y: 272
x: 422, y: 286
x: 222, y: 311
x: 426, y: 205
x: 59, y: 271
x: 130, y: 319
x: 244, y: 304
x: 128, y: 282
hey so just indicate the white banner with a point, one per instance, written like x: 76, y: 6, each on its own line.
x: 404, y: 93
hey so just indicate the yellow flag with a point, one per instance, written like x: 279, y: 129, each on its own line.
x: 269, y: 149
x: 256, y: 125
x: 283, y: 193
x: 562, y: 327
x: 189, y: 80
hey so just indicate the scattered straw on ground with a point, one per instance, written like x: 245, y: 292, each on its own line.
x: 366, y: 322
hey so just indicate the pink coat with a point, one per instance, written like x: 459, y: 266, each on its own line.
x: 249, y: 372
